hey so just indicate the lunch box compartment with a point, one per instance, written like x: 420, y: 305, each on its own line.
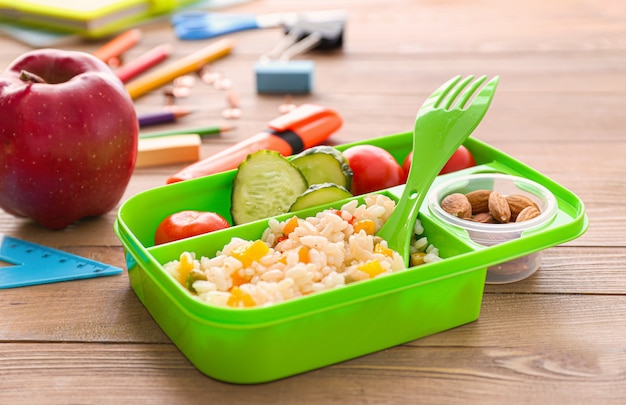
x: 261, y: 344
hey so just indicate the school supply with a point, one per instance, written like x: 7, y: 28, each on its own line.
x: 188, y: 64
x: 276, y: 72
x: 165, y: 116
x: 30, y: 264
x: 118, y: 45
x: 302, y: 128
x: 197, y: 24
x: 143, y: 62
x: 167, y: 150
x: 89, y: 18
x: 207, y: 130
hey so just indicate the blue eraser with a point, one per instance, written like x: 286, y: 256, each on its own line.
x: 284, y: 77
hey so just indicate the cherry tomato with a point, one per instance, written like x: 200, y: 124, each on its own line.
x: 188, y: 223
x: 406, y: 166
x: 374, y: 169
x: 461, y: 159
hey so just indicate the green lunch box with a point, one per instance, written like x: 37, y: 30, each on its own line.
x: 256, y: 345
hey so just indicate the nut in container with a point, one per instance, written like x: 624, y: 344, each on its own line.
x: 494, y: 208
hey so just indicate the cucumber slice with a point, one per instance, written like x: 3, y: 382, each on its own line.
x: 266, y: 184
x: 324, y: 164
x: 320, y: 194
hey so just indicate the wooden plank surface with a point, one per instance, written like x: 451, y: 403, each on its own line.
x: 557, y: 337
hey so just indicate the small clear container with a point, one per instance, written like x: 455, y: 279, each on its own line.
x: 489, y: 234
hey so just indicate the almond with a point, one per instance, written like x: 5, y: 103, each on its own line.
x: 458, y: 205
x: 484, y: 218
x: 479, y: 199
x: 517, y: 202
x: 499, y: 207
x: 527, y: 213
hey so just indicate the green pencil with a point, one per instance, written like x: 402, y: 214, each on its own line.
x: 210, y: 130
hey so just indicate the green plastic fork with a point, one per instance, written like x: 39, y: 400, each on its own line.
x: 443, y: 123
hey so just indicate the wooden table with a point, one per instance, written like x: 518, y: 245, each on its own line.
x: 558, y: 337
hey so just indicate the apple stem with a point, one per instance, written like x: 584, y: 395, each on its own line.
x: 27, y: 76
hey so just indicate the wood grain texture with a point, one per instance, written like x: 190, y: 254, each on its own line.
x: 558, y: 337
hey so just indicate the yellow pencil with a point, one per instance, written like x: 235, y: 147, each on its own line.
x: 185, y: 65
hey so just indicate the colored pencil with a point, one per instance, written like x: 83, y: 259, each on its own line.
x: 142, y: 63
x: 188, y: 64
x: 208, y: 130
x: 118, y: 45
x: 165, y: 116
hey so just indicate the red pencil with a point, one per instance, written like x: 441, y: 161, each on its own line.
x: 144, y: 62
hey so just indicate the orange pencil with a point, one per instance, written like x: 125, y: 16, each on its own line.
x: 118, y: 45
x: 144, y: 62
x: 188, y: 64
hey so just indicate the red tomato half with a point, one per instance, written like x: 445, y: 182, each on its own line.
x: 461, y: 159
x: 188, y: 223
x: 374, y: 169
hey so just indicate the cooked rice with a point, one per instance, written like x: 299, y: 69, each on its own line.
x: 320, y: 253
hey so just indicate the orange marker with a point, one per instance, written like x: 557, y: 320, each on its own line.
x: 118, y: 45
x: 302, y: 128
x: 144, y: 62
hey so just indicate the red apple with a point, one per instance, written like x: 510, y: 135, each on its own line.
x: 68, y: 137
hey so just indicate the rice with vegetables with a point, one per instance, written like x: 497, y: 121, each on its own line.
x: 297, y: 257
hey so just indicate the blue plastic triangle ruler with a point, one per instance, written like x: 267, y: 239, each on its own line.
x: 30, y: 264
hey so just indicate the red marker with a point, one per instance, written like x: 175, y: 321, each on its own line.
x: 302, y: 128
